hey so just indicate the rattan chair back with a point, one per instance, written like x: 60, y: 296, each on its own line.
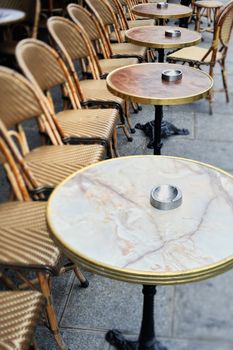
x: 105, y: 16
x: 19, y: 101
x: 90, y: 24
x: 222, y: 32
x: 73, y: 42
x: 31, y: 8
x: 43, y: 66
x: 119, y: 12
x: 226, y: 24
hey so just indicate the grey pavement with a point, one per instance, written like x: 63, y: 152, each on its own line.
x: 188, y: 317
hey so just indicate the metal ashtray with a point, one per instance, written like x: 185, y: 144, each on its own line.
x: 173, y: 33
x: 162, y: 5
x: 172, y: 74
x: 166, y: 197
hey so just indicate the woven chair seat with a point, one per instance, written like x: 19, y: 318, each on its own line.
x: 88, y: 123
x: 24, y: 237
x: 109, y: 64
x: 113, y: 37
x: 128, y: 49
x: 192, y: 54
x: 52, y: 164
x: 97, y: 90
x: 141, y: 23
x: 208, y: 3
x: 19, y: 315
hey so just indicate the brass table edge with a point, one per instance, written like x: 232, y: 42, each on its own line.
x: 171, y: 45
x: 165, y: 16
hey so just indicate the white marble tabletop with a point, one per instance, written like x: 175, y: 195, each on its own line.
x: 9, y: 16
x: 102, y: 217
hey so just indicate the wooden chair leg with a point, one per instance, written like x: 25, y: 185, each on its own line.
x: 114, y: 138
x: 197, y: 22
x: 51, y: 314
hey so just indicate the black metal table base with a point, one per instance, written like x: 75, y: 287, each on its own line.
x: 147, y: 339
x: 167, y: 129
x: 116, y: 339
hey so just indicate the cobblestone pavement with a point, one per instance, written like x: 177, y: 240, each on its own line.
x: 188, y: 317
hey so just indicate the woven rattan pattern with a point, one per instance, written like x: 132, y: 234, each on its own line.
x: 52, y: 164
x: 85, y: 19
x: 15, y: 107
x: 68, y: 35
x: 19, y: 315
x: 24, y: 237
x: 102, y: 10
x: 226, y: 28
x: 32, y: 53
x: 88, y: 122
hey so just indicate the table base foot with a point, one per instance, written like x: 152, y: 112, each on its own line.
x: 116, y: 339
x: 167, y: 129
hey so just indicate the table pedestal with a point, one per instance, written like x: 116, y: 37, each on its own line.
x: 147, y: 339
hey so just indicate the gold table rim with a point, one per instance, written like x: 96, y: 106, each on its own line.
x: 152, y: 100
x: 133, y: 275
x: 161, y: 16
x: 157, y: 45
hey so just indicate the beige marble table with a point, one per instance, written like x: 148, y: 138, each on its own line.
x: 101, y: 217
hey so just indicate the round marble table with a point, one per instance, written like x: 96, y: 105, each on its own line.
x: 10, y: 16
x: 142, y: 83
x: 101, y: 217
x: 150, y: 10
x: 154, y: 37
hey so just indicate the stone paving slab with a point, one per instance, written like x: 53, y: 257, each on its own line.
x: 112, y: 304
x: 204, y: 310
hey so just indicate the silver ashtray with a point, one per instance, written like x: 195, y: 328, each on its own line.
x: 166, y: 197
x: 162, y: 5
x: 173, y: 33
x: 172, y: 74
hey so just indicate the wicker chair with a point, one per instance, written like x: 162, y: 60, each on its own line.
x: 198, y: 56
x: 26, y: 246
x: 208, y: 9
x: 106, y: 20
x: 35, y: 57
x: 20, y: 311
x: 45, y: 166
x: 27, y: 28
x: 125, y: 24
x: 76, y: 125
x: 81, y: 47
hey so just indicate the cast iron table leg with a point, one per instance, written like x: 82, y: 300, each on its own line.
x: 162, y: 128
x: 157, y: 129
x: 147, y: 339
